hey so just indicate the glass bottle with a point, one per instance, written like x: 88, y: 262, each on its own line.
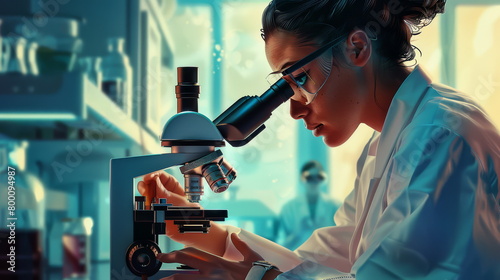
x: 76, y: 248
x: 117, y: 75
x: 17, y: 60
x: 31, y: 62
x: 23, y: 209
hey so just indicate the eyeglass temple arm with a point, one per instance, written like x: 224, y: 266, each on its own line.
x: 299, y: 64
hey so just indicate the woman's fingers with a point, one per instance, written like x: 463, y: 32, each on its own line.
x: 147, y: 191
x: 180, y: 200
x: 171, y: 183
x: 161, y: 190
x: 160, y: 184
x: 245, y: 250
x: 210, y: 266
x: 192, y: 257
x: 151, y: 176
x: 142, y: 188
x: 152, y: 185
x: 167, y: 180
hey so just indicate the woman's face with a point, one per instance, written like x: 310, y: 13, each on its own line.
x: 338, y: 108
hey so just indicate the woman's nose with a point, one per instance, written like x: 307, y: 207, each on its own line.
x: 297, y: 109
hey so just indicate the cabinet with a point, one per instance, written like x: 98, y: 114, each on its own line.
x: 73, y: 128
x: 66, y: 107
x: 62, y: 106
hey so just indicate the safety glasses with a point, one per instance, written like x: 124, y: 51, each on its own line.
x: 308, y: 74
x: 315, y: 178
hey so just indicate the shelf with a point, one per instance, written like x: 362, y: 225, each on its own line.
x: 69, y: 99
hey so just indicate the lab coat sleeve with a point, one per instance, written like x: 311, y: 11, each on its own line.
x: 329, y: 246
x: 426, y: 228
x: 294, y: 267
x: 280, y: 256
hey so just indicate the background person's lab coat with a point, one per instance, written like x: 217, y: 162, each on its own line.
x: 296, y: 223
x: 426, y: 201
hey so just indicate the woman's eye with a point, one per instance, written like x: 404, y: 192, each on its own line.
x: 301, y: 79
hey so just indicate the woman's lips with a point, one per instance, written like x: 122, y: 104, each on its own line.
x: 317, y: 130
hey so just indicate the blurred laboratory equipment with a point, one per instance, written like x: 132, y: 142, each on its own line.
x: 54, y: 237
x: 91, y: 66
x: 45, y: 49
x: 16, y: 60
x: 76, y: 248
x: 3, y: 50
x: 117, y: 74
x: 58, y: 45
x: 13, y: 45
x: 31, y: 63
x: 23, y: 209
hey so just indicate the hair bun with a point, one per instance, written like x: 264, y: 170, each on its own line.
x: 420, y: 13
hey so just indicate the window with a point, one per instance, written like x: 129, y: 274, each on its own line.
x: 191, y: 28
x: 477, y: 41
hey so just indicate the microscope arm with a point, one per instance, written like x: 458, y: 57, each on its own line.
x: 141, y: 165
x: 123, y: 172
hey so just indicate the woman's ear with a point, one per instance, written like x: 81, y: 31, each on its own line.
x: 359, y: 48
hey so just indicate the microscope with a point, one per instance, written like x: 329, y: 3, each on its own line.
x: 193, y: 140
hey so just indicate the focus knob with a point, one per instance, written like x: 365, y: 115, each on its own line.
x: 141, y: 258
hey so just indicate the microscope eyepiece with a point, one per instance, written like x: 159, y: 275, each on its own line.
x: 187, y: 75
x: 187, y: 90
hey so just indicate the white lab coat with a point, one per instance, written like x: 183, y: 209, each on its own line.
x: 426, y: 201
x: 296, y: 223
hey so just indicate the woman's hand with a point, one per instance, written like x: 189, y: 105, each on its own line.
x: 160, y: 184
x: 163, y: 185
x: 212, y: 266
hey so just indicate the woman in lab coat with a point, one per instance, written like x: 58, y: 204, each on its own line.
x: 425, y: 203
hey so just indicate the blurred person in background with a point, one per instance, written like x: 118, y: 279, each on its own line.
x: 308, y: 211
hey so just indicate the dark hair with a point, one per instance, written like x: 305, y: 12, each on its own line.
x: 390, y: 22
x: 310, y: 165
